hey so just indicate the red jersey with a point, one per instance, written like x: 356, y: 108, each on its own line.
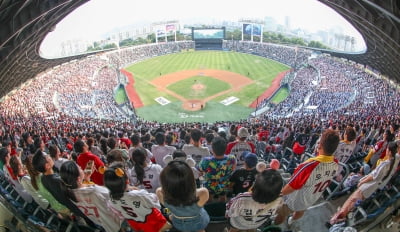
x: 84, y: 158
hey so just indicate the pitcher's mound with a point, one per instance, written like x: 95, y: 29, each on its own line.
x: 193, y: 105
x: 198, y: 87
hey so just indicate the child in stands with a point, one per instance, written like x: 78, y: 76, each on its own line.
x: 251, y: 209
x: 179, y: 194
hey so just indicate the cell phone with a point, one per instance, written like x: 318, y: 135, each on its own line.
x: 89, y: 166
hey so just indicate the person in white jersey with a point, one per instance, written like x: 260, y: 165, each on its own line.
x: 144, y: 175
x: 345, y: 149
x: 160, y: 150
x: 237, y: 147
x: 92, y: 200
x: 249, y: 210
x: 195, y: 150
x: 140, y: 208
x: 309, y: 180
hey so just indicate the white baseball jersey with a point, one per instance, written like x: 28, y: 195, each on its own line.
x: 244, y: 213
x: 197, y: 153
x: 150, y: 180
x: 310, y: 179
x: 136, y: 205
x: 237, y: 148
x: 160, y: 151
x: 344, y: 151
x: 95, y: 203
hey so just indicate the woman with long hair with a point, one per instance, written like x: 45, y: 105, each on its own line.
x: 179, y: 194
x: 144, y: 175
x: 92, y: 200
x: 31, y: 184
x: 140, y: 208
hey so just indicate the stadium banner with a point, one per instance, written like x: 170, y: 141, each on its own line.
x: 257, y: 29
x: 161, y: 33
x: 247, y: 29
x: 170, y: 29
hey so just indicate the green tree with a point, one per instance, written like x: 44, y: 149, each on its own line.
x: 317, y: 44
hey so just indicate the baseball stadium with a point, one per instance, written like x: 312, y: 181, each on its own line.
x: 192, y: 126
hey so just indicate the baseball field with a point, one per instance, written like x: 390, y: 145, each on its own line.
x: 202, y: 86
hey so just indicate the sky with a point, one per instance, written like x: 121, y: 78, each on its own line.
x: 97, y: 17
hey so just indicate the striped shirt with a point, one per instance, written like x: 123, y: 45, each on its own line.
x: 310, y: 179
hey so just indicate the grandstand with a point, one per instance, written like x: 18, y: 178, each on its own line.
x: 65, y: 99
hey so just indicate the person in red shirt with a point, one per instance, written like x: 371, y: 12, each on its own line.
x: 84, y: 157
x: 263, y: 133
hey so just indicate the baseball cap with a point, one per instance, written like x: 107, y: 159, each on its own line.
x: 250, y: 159
x: 243, y: 133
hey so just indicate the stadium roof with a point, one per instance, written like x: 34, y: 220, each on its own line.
x: 25, y: 23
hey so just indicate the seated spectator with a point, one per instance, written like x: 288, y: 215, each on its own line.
x: 140, y: 208
x: 237, y: 147
x: 92, y: 200
x: 53, y: 184
x: 242, y: 179
x: 178, y: 193
x: 195, y: 150
x: 144, y: 175
x: 19, y: 172
x: 30, y: 184
x: 367, y: 185
x: 378, y: 151
x: 249, y: 210
x: 160, y: 150
x: 84, y: 157
x: 217, y: 170
x: 55, y: 153
x: 180, y: 155
x: 309, y: 180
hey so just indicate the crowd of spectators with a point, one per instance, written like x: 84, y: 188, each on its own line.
x: 135, y: 54
x: 293, y: 57
x: 74, y: 102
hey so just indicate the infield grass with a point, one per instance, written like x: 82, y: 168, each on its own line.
x: 210, y: 86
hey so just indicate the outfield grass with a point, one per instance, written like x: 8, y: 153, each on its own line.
x: 120, y: 96
x: 211, y: 87
x: 257, y: 68
x: 281, y: 95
